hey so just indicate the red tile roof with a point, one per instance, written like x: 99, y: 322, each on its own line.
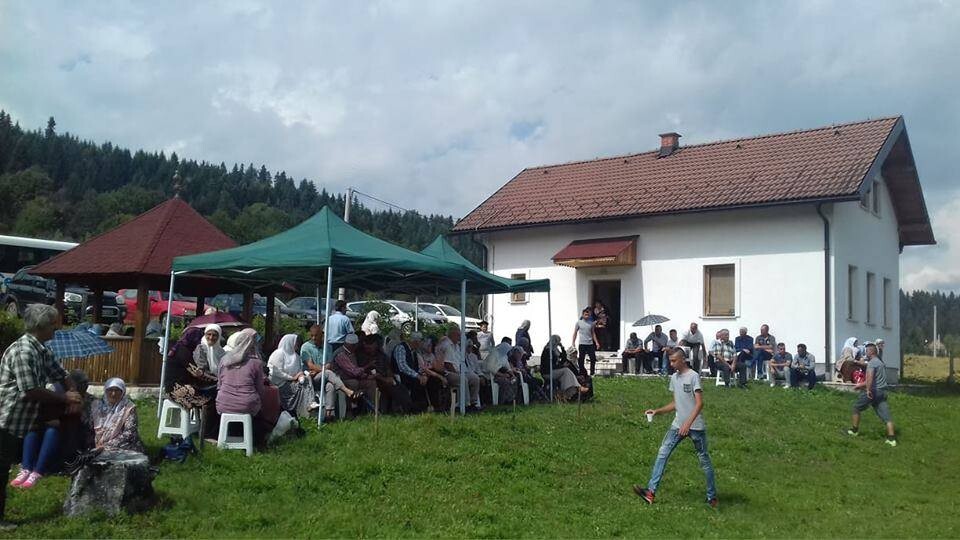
x: 828, y: 163
x: 143, y: 247
x: 594, y: 249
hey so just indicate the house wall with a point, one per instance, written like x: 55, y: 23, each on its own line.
x: 871, y: 243
x: 778, y: 253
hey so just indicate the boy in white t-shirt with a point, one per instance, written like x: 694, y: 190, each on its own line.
x: 688, y: 403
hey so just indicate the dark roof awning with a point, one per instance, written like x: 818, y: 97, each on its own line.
x: 620, y: 251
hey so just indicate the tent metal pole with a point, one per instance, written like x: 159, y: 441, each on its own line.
x: 416, y: 313
x: 463, y: 346
x: 318, y: 305
x: 321, y: 412
x: 550, y: 342
x: 166, y: 343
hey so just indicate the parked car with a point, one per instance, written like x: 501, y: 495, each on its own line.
x: 401, y: 313
x: 233, y: 304
x: 24, y: 288
x: 450, y: 314
x: 184, y: 307
x: 306, y: 307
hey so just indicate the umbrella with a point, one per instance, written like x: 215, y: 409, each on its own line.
x: 220, y: 318
x: 77, y: 344
x: 650, y: 320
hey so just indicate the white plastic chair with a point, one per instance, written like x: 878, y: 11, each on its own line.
x: 525, y: 389
x: 184, y: 424
x: 245, y: 442
x: 495, y: 392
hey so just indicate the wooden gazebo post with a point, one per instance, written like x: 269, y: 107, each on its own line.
x: 58, y: 301
x: 140, y: 330
x: 97, y: 305
x: 247, y: 313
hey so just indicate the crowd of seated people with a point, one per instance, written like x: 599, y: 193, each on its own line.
x: 745, y: 357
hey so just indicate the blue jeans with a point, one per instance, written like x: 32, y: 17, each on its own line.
x: 40, y: 449
x: 759, y: 365
x: 670, y: 441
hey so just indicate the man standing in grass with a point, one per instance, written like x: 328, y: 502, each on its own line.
x: 688, y: 403
x: 873, y: 394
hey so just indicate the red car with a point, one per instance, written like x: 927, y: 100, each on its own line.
x: 183, y: 306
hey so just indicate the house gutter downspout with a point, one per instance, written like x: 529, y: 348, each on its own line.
x: 826, y: 293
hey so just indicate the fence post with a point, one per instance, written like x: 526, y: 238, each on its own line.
x: 952, y: 378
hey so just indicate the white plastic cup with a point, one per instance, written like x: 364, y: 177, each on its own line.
x: 649, y: 417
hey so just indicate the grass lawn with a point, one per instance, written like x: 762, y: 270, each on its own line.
x: 783, y: 470
x: 927, y: 368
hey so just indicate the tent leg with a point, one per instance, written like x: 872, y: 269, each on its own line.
x: 416, y: 313
x: 550, y: 342
x: 318, y: 303
x: 463, y: 345
x: 166, y: 343
x: 321, y: 412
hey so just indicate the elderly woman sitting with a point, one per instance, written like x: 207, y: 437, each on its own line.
x: 562, y: 375
x: 288, y: 375
x: 208, y: 353
x: 240, y: 388
x: 114, y: 418
x: 370, y: 326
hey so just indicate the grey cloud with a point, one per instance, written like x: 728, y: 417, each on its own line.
x: 434, y: 106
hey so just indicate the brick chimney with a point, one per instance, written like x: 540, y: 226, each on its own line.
x: 669, y: 142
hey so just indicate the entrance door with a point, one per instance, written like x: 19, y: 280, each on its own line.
x: 608, y: 292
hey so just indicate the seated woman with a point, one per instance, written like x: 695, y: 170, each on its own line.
x: 517, y: 357
x: 287, y: 374
x: 185, y: 382
x: 370, y: 326
x: 850, y: 362
x: 114, y: 418
x: 562, y: 375
x: 241, y: 389
x: 77, y: 435
x: 437, y: 399
x: 504, y: 375
x: 208, y: 353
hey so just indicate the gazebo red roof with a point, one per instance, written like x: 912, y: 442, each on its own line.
x: 142, y: 248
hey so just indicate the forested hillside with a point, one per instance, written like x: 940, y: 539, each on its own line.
x: 59, y: 186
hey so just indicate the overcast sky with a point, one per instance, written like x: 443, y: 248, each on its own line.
x: 434, y: 105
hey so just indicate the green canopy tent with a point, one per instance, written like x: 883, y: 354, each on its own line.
x: 321, y: 244
x: 442, y: 250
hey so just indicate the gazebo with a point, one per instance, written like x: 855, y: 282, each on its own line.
x: 138, y: 254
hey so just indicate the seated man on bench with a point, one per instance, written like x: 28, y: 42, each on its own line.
x: 779, y: 366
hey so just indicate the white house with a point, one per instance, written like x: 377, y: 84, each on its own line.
x: 801, y: 231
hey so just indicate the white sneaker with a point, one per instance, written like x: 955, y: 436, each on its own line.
x: 785, y: 387
x: 772, y: 385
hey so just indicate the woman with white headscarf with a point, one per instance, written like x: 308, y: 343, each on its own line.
x: 114, y: 419
x: 370, y: 325
x: 287, y: 374
x: 241, y: 389
x: 849, y: 361
x: 208, y: 353
x: 562, y: 372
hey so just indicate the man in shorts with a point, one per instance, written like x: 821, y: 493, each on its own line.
x: 873, y: 394
x: 687, y: 422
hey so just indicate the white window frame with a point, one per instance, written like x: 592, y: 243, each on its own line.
x: 871, y: 284
x: 885, y: 292
x: 852, y: 293
x: 736, y: 288
x: 519, y: 297
x: 875, y: 199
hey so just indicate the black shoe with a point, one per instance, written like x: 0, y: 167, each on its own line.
x: 643, y: 493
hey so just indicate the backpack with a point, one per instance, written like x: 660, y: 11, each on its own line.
x: 178, y: 449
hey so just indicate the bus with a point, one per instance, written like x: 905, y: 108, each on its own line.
x: 17, y: 252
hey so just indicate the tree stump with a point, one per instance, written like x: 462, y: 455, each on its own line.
x: 114, y: 481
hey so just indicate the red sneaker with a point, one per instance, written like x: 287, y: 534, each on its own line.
x: 643, y: 493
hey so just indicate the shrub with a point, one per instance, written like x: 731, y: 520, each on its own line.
x: 11, y: 328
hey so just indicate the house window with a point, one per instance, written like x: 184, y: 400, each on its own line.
x: 871, y: 281
x: 886, y: 302
x: 851, y: 292
x: 875, y: 200
x: 518, y: 297
x: 719, y: 287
